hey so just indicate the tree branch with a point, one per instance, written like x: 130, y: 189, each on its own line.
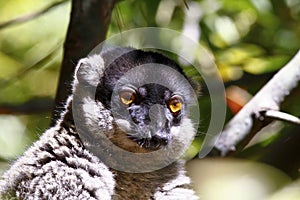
x: 250, y: 119
x: 31, y: 15
x: 32, y: 106
x: 87, y: 28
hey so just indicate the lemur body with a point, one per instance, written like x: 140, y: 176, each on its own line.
x: 63, y: 164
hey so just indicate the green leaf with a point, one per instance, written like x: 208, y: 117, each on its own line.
x: 265, y: 65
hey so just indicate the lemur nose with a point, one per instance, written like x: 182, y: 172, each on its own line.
x: 160, y: 139
x: 156, y: 114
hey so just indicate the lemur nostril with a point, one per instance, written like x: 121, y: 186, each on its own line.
x: 161, y: 140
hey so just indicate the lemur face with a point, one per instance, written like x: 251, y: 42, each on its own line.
x: 149, y: 112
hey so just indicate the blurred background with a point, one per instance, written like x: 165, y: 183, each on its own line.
x: 250, y: 41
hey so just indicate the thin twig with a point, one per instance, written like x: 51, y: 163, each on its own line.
x: 186, y: 4
x: 30, y: 16
x: 281, y: 116
x: 34, y: 65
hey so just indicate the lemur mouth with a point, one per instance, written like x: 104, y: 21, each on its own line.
x: 153, y: 143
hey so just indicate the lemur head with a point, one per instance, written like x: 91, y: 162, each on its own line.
x: 138, y: 100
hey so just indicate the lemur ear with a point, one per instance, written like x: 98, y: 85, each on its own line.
x: 89, y: 70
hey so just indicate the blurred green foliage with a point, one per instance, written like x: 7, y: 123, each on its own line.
x: 250, y: 40
x: 30, y: 55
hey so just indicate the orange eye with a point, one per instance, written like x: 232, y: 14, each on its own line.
x: 127, y: 97
x: 175, y: 104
